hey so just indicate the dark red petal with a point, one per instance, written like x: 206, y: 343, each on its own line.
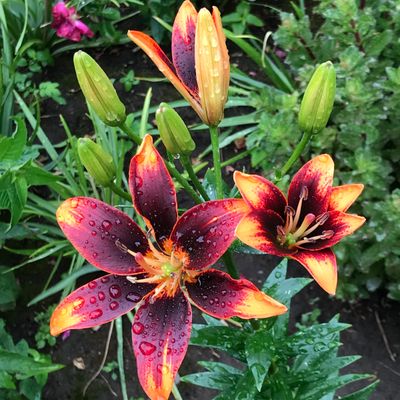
x: 258, y: 229
x: 207, y: 230
x: 97, y: 302
x: 341, y: 224
x: 152, y: 189
x: 153, y: 50
x: 95, y: 229
x: 317, y: 177
x: 217, y: 294
x: 160, y: 335
x: 260, y: 193
x: 183, y: 37
x: 321, y: 265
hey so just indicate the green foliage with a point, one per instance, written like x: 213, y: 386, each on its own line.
x: 362, y: 133
x: 271, y: 362
x: 9, y: 289
x: 241, y: 19
x: 42, y: 335
x: 23, y: 370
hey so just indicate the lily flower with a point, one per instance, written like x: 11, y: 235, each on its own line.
x: 158, y: 272
x: 306, y: 224
x: 67, y: 25
x: 200, y: 62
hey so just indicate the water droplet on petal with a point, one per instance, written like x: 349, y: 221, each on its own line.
x: 92, y: 285
x: 101, y: 296
x: 134, y: 297
x: 137, y: 328
x: 114, y: 305
x: 78, y: 303
x: 92, y: 223
x: 96, y: 314
x: 106, y: 224
x: 147, y: 348
x: 115, y: 291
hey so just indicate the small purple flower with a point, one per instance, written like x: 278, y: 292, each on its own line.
x: 67, y: 25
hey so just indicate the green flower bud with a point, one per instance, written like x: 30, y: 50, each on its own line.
x: 173, y: 131
x: 318, y: 99
x: 98, y: 90
x: 97, y: 161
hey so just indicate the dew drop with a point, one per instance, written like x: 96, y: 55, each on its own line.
x: 105, y: 279
x: 92, y: 223
x: 133, y: 297
x: 92, y: 285
x: 78, y: 303
x: 93, y: 204
x: 114, y: 305
x: 137, y: 328
x: 101, y: 296
x: 147, y: 348
x: 115, y: 291
x: 106, y: 224
x: 96, y: 314
x: 92, y: 300
x: 94, y: 233
x: 163, y: 369
x: 94, y: 254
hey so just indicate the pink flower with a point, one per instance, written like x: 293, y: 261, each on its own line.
x: 67, y: 24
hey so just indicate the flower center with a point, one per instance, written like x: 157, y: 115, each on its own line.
x: 164, y: 267
x: 297, y: 233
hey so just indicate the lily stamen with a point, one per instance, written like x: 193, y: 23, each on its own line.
x: 303, y: 196
x: 301, y: 231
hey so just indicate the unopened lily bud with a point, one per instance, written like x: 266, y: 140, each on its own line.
x: 318, y: 99
x: 98, y: 90
x: 212, y: 65
x: 97, y: 161
x: 174, y: 133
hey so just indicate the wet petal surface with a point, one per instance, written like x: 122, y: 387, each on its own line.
x: 317, y: 176
x: 183, y: 39
x: 260, y: 193
x: 207, y: 230
x: 217, y: 294
x: 160, y: 335
x: 97, y: 302
x: 152, y: 189
x: 95, y: 229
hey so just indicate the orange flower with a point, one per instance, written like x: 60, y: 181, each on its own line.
x: 200, y: 62
x: 304, y: 226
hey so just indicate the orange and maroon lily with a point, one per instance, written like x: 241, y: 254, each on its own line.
x: 158, y: 272
x: 200, y: 62
x: 304, y: 226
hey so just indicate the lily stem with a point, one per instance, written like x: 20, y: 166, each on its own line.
x: 185, y: 161
x: 295, y: 155
x: 227, y: 257
x: 216, y: 161
x: 120, y: 192
x: 175, y: 392
x: 182, y: 181
x: 131, y: 134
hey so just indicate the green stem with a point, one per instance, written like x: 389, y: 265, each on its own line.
x: 236, y: 158
x: 182, y: 181
x: 227, y: 257
x: 131, y: 134
x: 120, y: 357
x: 216, y: 161
x: 295, y: 155
x: 175, y: 392
x: 185, y: 161
x: 117, y: 190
